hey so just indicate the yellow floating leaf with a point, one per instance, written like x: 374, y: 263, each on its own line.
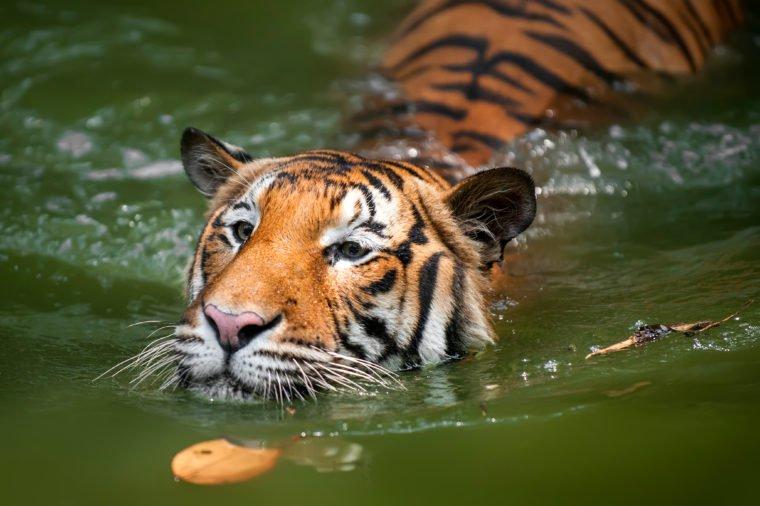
x: 219, y: 461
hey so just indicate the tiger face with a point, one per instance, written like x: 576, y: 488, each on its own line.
x: 323, y: 270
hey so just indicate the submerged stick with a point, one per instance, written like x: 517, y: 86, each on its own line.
x: 648, y: 333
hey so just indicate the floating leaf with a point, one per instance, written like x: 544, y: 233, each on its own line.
x: 648, y: 333
x: 219, y: 461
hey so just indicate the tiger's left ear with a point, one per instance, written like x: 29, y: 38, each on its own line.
x: 208, y: 161
x: 493, y: 207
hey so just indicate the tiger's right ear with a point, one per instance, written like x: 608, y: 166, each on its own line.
x: 209, y: 161
x: 493, y: 207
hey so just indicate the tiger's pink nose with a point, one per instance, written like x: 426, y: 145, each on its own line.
x: 233, y: 331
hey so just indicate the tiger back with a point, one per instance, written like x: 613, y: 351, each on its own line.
x: 479, y: 73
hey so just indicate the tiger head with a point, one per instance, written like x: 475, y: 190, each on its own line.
x: 324, y: 269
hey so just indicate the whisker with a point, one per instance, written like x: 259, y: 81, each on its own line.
x: 359, y: 374
x: 293, y: 389
x: 172, y: 380
x: 376, y: 368
x: 306, y: 380
x: 146, y: 373
x: 144, y: 323
x: 159, y: 329
x: 323, y: 382
x: 284, y: 389
x: 278, y: 393
x: 135, y: 360
x: 348, y: 383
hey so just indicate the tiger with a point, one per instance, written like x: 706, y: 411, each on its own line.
x: 328, y: 270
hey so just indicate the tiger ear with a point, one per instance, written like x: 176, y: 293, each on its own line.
x: 208, y: 161
x: 493, y: 207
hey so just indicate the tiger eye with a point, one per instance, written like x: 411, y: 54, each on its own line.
x: 242, y: 230
x: 352, y: 250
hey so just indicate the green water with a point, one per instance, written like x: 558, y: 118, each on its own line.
x: 653, y: 222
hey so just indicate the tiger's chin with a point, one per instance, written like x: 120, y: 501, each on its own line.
x: 222, y: 387
x: 282, y: 376
x: 227, y: 387
x: 247, y: 380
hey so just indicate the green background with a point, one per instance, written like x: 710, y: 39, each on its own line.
x: 92, y: 241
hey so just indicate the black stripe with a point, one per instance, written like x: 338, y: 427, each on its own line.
x: 372, y: 260
x: 658, y: 24
x: 575, y: 52
x: 382, y: 285
x: 205, y: 255
x: 370, y: 200
x: 413, y: 107
x: 374, y: 227
x: 425, y: 292
x: 454, y: 346
x: 379, y: 168
x: 477, y: 44
x: 223, y: 237
x: 445, y: 237
x: 323, y: 158
x: 373, y: 328
x: 241, y: 205
x: 500, y: 8
x: 429, y: 107
x: 474, y: 92
x: 724, y: 16
x: 701, y: 43
x: 700, y: 22
x: 403, y: 252
x: 377, y: 184
x: 375, y: 132
x: 551, y: 4
x: 434, y: 163
x: 489, y: 140
x: 496, y: 74
x: 416, y: 236
x: 408, y: 169
x: 619, y: 43
x: 341, y: 336
x: 463, y: 147
x: 733, y: 19
x: 480, y: 67
x: 417, y: 232
x: 477, y: 67
x: 376, y: 329
x: 414, y: 71
x: 540, y: 73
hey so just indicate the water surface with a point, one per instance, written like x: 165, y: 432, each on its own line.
x: 653, y: 222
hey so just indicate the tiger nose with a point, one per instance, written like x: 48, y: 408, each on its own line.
x: 233, y: 331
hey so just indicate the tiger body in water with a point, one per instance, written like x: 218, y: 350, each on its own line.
x: 326, y: 269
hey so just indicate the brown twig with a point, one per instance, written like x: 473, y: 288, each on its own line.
x: 648, y: 333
